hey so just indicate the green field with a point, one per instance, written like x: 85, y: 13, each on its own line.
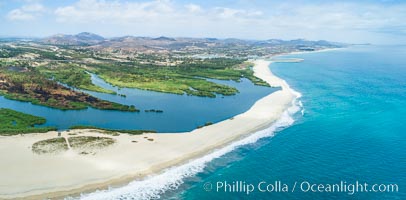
x: 35, y: 75
x: 13, y: 122
x: 19, y: 81
x: 188, y: 78
x: 50, y: 146
x: 73, y: 76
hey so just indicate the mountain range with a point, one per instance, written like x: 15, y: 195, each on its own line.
x: 97, y: 41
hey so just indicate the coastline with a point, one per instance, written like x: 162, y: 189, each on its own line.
x: 71, y: 173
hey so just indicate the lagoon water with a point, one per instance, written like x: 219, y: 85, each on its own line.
x: 181, y: 112
x: 353, y: 128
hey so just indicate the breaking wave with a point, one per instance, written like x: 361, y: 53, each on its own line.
x: 155, y: 185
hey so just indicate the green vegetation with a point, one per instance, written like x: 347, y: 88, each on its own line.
x: 7, y: 52
x: 27, y: 84
x: 176, y: 84
x: 90, y: 142
x: 172, y: 65
x: 186, y: 78
x: 206, y: 124
x: 46, y: 72
x: 33, y: 72
x: 110, y: 131
x: 80, y: 143
x: 73, y: 76
x: 50, y: 146
x: 13, y: 122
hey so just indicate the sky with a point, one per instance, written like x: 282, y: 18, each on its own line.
x: 362, y: 21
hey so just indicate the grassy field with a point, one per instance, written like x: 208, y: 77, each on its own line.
x: 74, y: 76
x: 50, y: 146
x: 19, y: 81
x: 187, y: 78
x: 13, y: 122
x: 36, y: 72
x: 89, y: 142
x: 82, y: 144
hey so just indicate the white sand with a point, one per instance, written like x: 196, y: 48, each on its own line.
x: 24, y: 174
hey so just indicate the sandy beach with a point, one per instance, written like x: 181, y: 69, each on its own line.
x: 27, y: 175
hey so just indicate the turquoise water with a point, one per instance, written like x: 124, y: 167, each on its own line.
x: 181, y: 112
x: 353, y: 128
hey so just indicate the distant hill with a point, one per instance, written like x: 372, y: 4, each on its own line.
x: 84, y: 38
x: 162, y: 38
x: 164, y: 44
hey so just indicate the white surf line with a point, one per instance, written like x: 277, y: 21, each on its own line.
x: 154, y: 185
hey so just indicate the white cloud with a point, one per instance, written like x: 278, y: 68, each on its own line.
x: 340, y: 16
x: 118, y: 12
x: 156, y: 10
x: 33, y: 8
x: 333, y: 21
x: 26, y: 13
x: 193, y: 8
x: 19, y: 15
x: 239, y: 13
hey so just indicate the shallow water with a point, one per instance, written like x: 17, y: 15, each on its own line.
x: 350, y: 129
x: 353, y: 129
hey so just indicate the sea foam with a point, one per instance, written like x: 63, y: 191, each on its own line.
x: 152, y: 187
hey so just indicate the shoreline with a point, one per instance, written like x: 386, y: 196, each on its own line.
x: 117, y: 165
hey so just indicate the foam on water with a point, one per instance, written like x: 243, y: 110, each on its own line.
x: 153, y: 186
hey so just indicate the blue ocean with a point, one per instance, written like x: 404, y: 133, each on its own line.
x: 350, y: 130
x: 353, y: 129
